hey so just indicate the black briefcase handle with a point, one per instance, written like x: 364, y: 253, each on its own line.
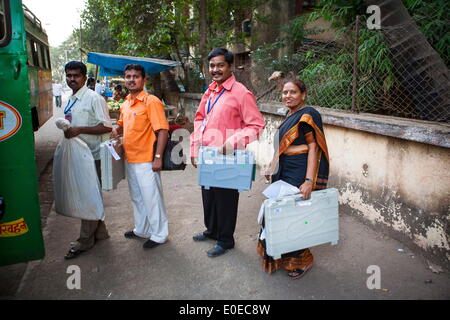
x: 168, y: 163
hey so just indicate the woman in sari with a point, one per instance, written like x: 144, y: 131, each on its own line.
x: 302, y: 160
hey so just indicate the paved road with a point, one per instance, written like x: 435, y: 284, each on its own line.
x: 119, y: 268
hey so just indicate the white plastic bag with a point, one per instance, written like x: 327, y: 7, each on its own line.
x: 76, y: 186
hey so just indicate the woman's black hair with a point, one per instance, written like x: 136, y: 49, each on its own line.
x: 299, y: 83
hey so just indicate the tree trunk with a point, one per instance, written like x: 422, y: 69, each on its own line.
x: 422, y: 71
x: 155, y: 80
x: 169, y: 82
x: 204, y: 38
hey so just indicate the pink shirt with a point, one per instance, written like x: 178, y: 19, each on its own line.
x: 234, y: 117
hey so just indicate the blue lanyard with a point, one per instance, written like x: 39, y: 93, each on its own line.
x: 209, y: 101
x: 66, y: 110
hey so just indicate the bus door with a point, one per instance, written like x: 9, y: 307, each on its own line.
x: 20, y: 224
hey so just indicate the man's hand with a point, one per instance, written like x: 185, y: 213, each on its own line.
x: 72, y: 132
x: 194, y: 161
x: 114, y: 134
x: 157, y: 164
x: 267, y: 171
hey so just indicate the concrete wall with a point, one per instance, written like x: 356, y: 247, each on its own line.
x: 392, y: 173
x: 400, y: 186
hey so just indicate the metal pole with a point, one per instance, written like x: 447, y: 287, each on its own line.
x: 81, y: 51
x: 96, y: 73
x: 355, y: 67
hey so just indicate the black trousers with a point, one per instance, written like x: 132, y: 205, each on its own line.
x: 220, y: 207
x: 58, y: 101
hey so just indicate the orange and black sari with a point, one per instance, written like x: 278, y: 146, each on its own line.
x: 298, y: 129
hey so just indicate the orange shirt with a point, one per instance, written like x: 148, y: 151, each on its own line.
x: 140, y: 118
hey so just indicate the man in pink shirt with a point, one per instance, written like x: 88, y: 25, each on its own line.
x: 228, y: 118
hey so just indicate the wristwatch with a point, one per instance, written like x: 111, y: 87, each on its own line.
x: 157, y: 155
x: 308, y: 179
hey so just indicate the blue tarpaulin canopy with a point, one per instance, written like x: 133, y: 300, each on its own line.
x: 113, y: 65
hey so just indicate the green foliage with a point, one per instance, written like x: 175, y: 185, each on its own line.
x: 328, y: 70
x: 340, y: 13
x: 224, y: 21
x: 164, y: 28
x: 293, y: 32
x: 143, y: 28
x: 96, y: 34
x: 329, y: 79
x: 62, y: 54
x: 433, y: 20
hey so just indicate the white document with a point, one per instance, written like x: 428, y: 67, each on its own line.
x: 263, y: 234
x: 113, y: 151
x: 280, y: 188
x: 261, y: 213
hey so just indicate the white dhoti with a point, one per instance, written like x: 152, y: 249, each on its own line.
x: 146, y: 194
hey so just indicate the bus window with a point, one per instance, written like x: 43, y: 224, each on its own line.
x: 45, y: 57
x: 5, y: 23
x: 34, y: 52
x: 2, y: 21
x: 41, y: 55
x: 29, y: 52
x: 47, y: 54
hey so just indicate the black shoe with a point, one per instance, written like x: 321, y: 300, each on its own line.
x: 130, y: 234
x: 73, y: 253
x: 199, y: 237
x: 216, y: 251
x: 150, y: 244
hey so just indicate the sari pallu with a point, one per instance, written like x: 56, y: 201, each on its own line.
x: 292, y: 169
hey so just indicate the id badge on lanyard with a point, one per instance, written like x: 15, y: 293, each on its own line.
x: 204, y: 122
x: 67, y: 110
x: 209, y: 109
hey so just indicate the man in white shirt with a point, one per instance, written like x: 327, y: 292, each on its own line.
x: 99, y: 87
x: 57, y: 91
x: 89, y: 117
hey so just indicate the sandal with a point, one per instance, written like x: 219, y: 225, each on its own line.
x: 73, y: 253
x: 298, y: 273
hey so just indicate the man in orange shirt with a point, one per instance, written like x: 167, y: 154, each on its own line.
x: 141, y: 118
x: 227, y: 118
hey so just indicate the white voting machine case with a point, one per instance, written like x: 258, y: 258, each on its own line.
x: 112, y: 164
x: 234, y: 171
x: 292, y: 223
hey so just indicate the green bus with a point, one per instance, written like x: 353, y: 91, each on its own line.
x: 26, y: 103
x: 39, y: 69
